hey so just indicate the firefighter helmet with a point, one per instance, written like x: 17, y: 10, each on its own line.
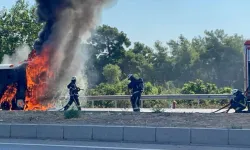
x: 234, y: 91
x: 73, y: 78
x: 129, y: 76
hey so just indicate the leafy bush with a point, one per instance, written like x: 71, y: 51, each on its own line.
x: 192, y: 87
x: 199, y: 87
x: 158, y: 109
x: 72, y: 113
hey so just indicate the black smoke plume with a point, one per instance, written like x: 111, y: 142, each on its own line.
x: 47, y: 12
x: 66, y: 23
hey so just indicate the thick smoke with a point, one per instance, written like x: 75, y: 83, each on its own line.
x: 20, y: 54
x: 79, y: 70
x: 67, y: 23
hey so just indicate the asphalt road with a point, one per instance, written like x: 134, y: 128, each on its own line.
x: 22, y: 144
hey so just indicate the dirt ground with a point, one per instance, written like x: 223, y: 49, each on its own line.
x: 129, y: 118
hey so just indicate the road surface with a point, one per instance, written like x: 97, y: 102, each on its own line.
x: 178, y: 110
x: 21, y: 144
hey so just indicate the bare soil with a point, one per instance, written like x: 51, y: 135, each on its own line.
x: 221, y: 120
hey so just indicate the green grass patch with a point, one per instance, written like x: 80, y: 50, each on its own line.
x: 72, y: 113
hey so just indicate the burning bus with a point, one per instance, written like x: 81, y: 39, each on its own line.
x: 25, y: 86
x: 13, y: 86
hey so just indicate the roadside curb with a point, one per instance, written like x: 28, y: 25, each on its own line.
x: 134, y: 134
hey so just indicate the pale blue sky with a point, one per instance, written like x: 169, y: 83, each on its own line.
x: 150, y: 20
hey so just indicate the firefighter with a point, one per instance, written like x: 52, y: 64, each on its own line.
x: 73, y: 92
x: 136, y: 85
x: 238, y: 103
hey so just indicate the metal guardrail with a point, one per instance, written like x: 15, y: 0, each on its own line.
x: 159, y: 97
x: 116, y: 98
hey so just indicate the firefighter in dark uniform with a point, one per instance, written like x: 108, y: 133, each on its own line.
x: 238, y: 103
x: 136, y: 85
x: 73, y: 91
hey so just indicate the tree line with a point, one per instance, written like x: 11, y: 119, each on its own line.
x: 212, y: 63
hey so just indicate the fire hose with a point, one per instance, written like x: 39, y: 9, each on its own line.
x: 222, y: 108
x: 230, y: 104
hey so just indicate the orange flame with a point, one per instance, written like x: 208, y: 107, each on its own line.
x: 9, y: 94
x: 37, y: 73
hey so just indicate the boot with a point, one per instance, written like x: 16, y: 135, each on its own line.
x: 136, y: 109
x: 79, y: 108
x: 66, y: 107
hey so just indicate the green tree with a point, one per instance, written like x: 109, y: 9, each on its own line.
x: 112, y: 73
x: 18, y: 26
x: 138, y: 60
x: 108, y: 46
x: 183, y: 58
x: 162, y: 65
x: 220, y: 59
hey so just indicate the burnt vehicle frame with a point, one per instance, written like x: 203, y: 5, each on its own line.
x: 10, y: 74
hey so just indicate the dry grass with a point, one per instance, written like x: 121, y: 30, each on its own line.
x: 130, y: 118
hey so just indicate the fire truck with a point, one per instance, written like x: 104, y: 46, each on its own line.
x: 247, y: 72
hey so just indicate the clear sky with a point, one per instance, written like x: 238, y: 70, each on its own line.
x: 150, y: 20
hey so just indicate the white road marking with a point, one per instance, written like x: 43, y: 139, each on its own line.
x: 75, y: 146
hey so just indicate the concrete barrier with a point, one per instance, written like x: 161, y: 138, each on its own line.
x: 209, y: 136
x: 50, y: 132
x: 5, y: 131
x: 239, y: 137
x: 23, y: 131
x: 139, y: 134
x: 77, y: 132
x: 107, y: 133
x: 173, y: 135
x: 127, y: 134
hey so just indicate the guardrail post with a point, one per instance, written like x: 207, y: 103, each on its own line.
x: 115, y: 104
x: 92, y: 104
x: 141, y: 103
